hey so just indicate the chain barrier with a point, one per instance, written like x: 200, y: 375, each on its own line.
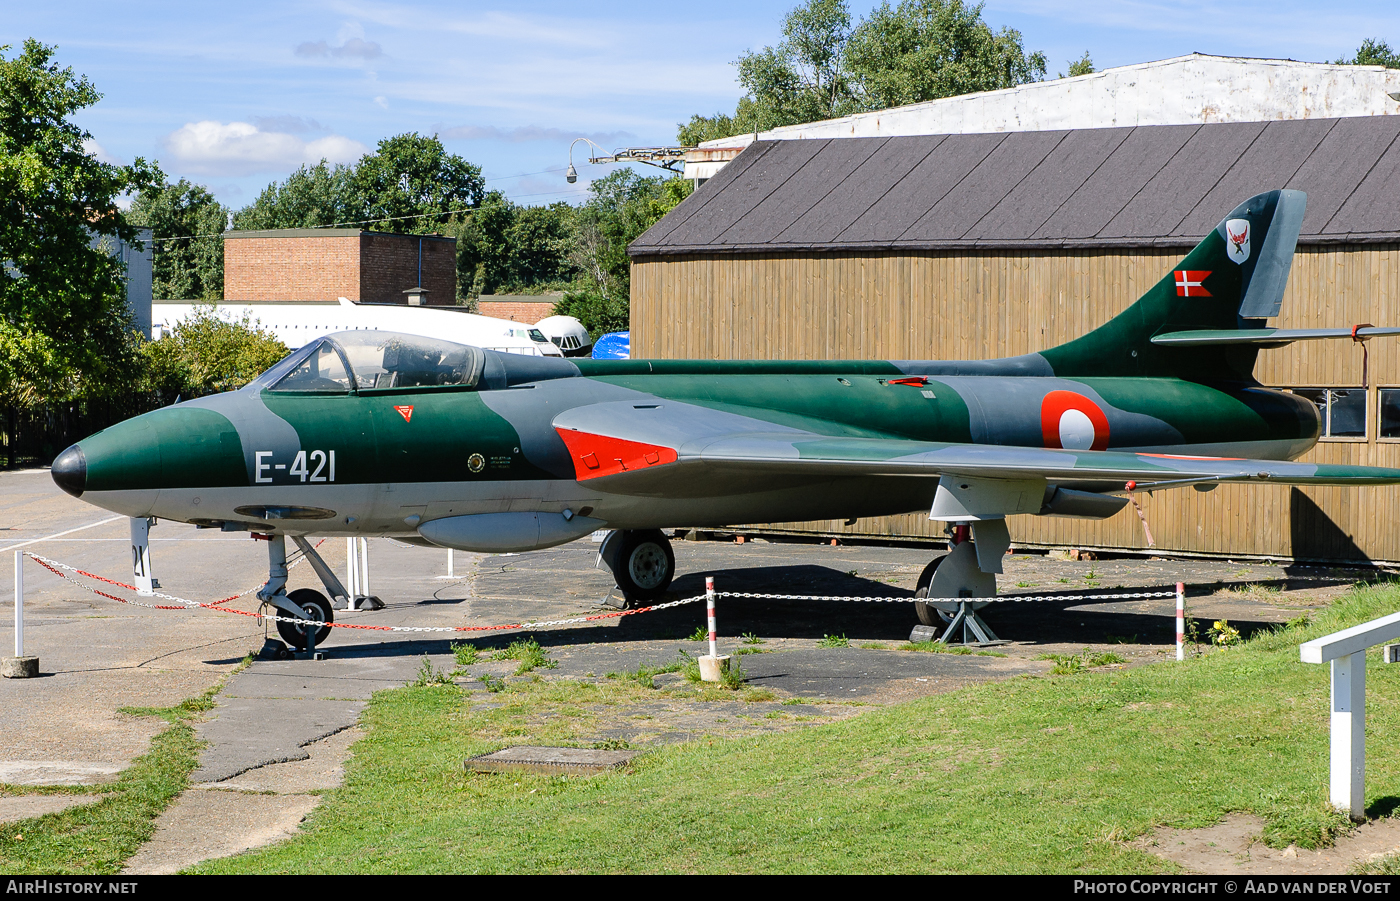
x: 998, y: 599
x: 62, y: 569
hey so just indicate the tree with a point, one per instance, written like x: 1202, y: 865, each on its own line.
x: 208, y: 353
x: 919, y: 50
x: 411, y: 175
x: 624, y: 204
x: 1082, y: 66
x: 506, y: 248
x: 64, y: 326
x: 311, y: 197
x: 927, y: 49
x: 1373, y: 52
x: 187, y: 225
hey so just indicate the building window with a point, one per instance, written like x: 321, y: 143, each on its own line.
x: 1390, y: 413
x: 1343, y: 410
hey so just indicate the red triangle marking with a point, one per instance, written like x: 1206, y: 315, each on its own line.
x: 406, y: 412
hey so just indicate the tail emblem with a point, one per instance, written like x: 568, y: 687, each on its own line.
x: 1237, y: 245
x: 1188, y: 282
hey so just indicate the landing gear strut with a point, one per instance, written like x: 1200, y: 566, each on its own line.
x: 305, y: 604
x: 641, y: 561
x: 957, y: 578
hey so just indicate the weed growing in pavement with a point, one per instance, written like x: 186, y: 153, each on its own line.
x: 938, y: 647
x: 645, y: 675
x: 429, y: 676
x: 466, y: 653
x: 493, y: 683
x: 530, y: 655
x: 1069, y: 664
x: 700, y: 634
x: 751, y: 638
x: 834, y: 641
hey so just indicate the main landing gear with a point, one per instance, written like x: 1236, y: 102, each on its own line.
x: 956, y: 579
x: 306, y: 605
x: 641, y: 561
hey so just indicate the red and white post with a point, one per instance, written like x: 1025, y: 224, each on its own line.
x: 1180, y: 621
x: 710, y: 612
x: 712, y: 666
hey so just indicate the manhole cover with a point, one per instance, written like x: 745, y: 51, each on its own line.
x: 550, y: 761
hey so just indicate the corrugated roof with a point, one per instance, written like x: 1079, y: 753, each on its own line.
x: 1163, y: 185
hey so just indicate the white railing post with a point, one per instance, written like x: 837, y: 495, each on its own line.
x: 141, y: 556
x: 1348, y: 758
x: 1346, y: 651
x: 19, y: 603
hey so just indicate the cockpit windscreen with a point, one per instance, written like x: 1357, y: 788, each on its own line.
x: 371, y: 360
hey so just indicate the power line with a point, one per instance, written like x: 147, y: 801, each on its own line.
x: 391, y: 218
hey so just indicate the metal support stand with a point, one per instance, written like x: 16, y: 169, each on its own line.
x: 141, y: 556
x: 357, y: 571
x: 968, y: 626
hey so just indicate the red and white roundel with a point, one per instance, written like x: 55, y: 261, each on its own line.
x: 1073, y: 422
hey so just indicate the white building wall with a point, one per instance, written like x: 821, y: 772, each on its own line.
x: 1180, y: 91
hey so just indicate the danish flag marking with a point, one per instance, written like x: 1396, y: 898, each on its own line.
x: 1188, y: 283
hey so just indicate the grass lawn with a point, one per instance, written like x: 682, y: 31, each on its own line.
x: 1035, y: 775
x: 98, y: 839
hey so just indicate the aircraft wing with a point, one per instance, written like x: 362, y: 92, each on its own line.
x: 677, y: 449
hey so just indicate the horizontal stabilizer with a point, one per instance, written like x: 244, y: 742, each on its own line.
x: 1266, y: 337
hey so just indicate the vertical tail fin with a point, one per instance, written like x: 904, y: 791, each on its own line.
x: 1237, y: 273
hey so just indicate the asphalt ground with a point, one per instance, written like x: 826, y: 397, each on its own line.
x: 284, y: 726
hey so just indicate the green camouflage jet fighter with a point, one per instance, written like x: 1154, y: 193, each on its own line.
x: 375, y: 433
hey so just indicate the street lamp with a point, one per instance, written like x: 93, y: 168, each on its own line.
x: 571, y: 175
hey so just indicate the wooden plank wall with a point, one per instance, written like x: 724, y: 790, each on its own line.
x: 943, y: 305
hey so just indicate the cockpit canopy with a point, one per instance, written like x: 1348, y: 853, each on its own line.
x: 337, y: 364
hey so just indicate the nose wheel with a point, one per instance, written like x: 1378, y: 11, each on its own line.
x: 317, y: 609
x: 642, y: 562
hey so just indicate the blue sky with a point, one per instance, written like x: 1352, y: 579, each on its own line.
x: 234, y: 96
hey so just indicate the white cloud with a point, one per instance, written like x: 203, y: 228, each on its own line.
x: 241, y: 148
x: 354, y: 48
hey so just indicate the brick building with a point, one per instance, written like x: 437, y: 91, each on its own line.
x: 525, y: 308
x: 322, y: 264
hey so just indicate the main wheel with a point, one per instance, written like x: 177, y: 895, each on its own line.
x: 929, y: 616
x: 644, y: 564
x: 317, y: 609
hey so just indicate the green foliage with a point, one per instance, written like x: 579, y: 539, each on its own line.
x: 428, y: 675
x: 1082, y: 66
x: 311, y: 197
x: 645, y: 675
x: 823, y: 68
x: 506, y: 248
x: 64, y: 328
x: 700, y: 634
x: 1373, y: 52
x: 411, y: 175
x: 465, y: 653
x: 833, y: 641
x: 529, y: 653
x: 598, y: 313
x: 1224, y: 635
x: 751, y: 638
x: 187, y: 223
x: 1069, y: 664
x: 208, y: 353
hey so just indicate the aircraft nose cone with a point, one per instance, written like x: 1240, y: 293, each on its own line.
x: 70, y: 471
